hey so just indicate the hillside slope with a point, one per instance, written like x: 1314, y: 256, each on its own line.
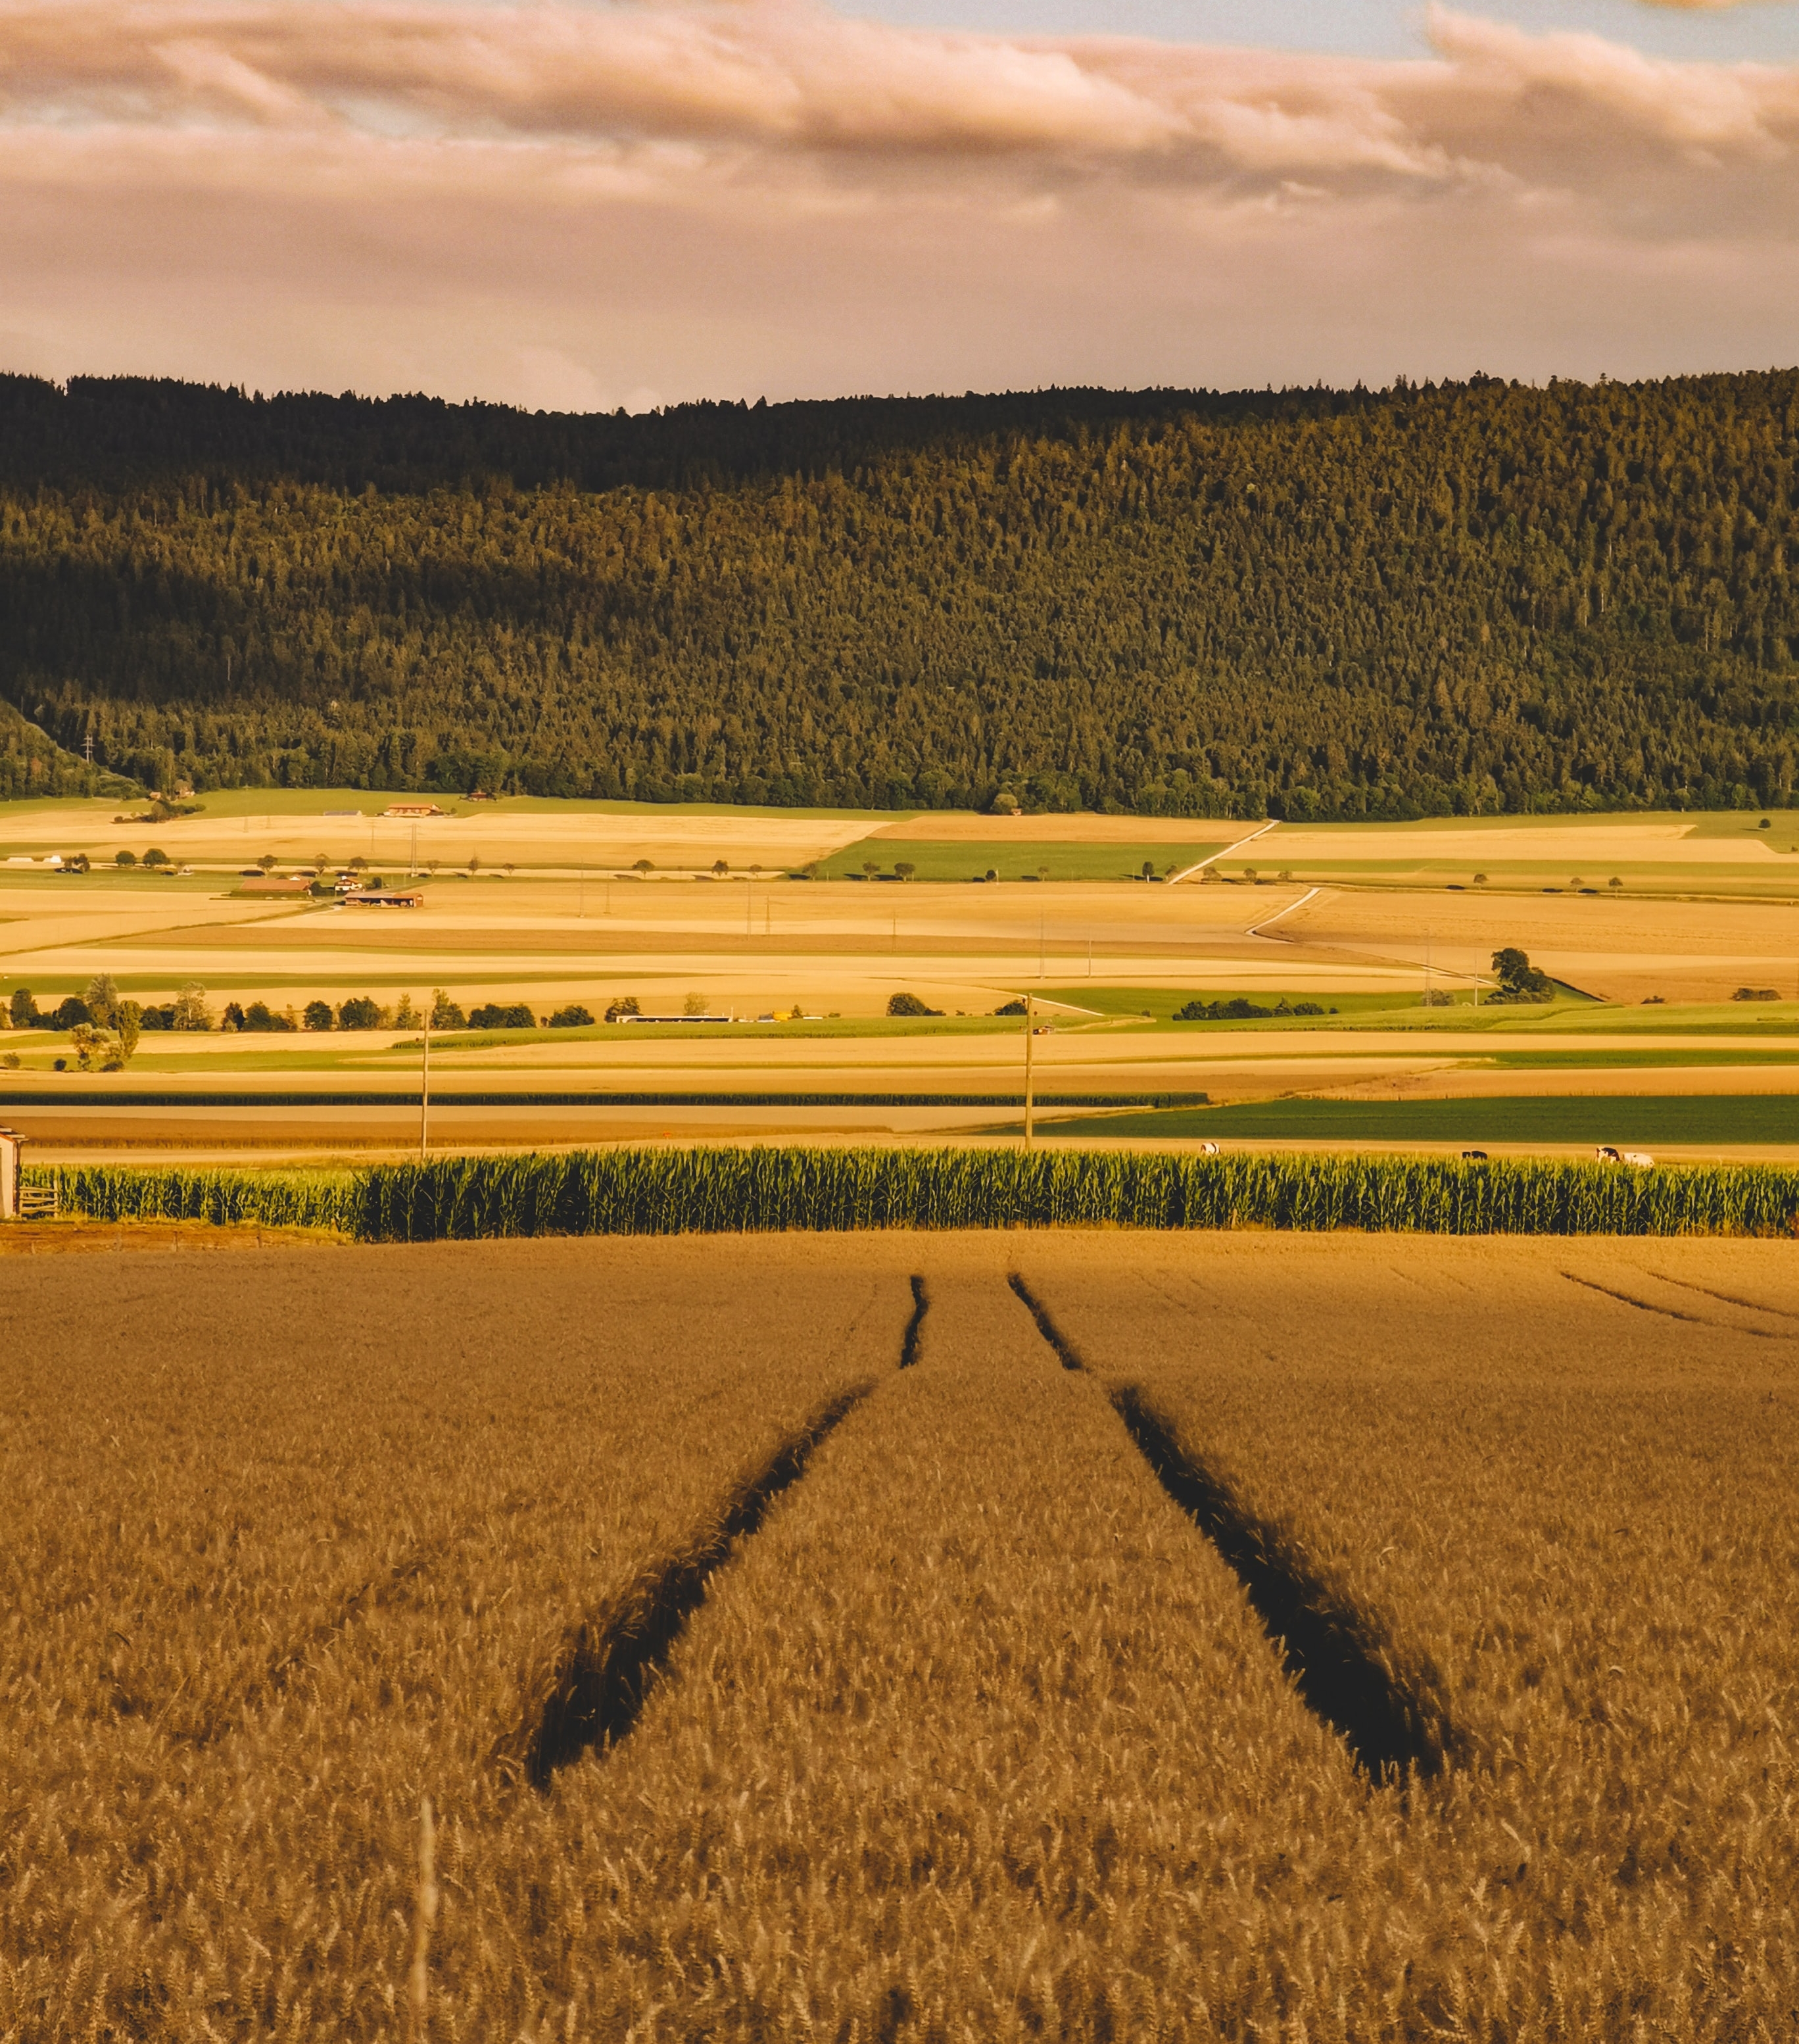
x: 1329, y: 604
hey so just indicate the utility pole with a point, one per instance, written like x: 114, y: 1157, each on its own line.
x: 1029, y: 1040
x: 425, y: 1092
x: 1427, y: 989
x: 1041, y: 920
x: 580, y: 911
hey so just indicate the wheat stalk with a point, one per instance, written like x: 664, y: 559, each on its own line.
x: 418, y: 1985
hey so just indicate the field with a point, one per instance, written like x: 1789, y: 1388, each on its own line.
x: 544, y: 905
x: 803, y: 1637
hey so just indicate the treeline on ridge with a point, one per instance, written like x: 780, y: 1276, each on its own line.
x: 1459, y: 599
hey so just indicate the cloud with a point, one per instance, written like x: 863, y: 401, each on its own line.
x: 558, y: 203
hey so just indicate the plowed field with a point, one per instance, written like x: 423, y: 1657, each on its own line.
x: 925, y: 1636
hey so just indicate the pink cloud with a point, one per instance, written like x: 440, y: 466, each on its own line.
x: 767, y: 196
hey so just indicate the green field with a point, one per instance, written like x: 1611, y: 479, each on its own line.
x: 1635, y: 1118
x: 1025, y: 858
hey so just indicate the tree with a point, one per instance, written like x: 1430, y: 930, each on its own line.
x: 156, y: 857
x: 621, y: 1005
x: 1519, y: 980
x: 23, y: 1009
x: 71, y: 1014
x: 406, y: 1016
x: 1614, y: 881
x: 190, y: 1009
x: 695, y: 1004
x: 103, y: 999
x: 871, y: 867
x: 720, y: 868
x: 573, y: 1017
x: 316, y: 1015
x: 94, y: 1049
x: 445, y: 1014
x: 267, y: 861
x: 128, y: 1023
x: 358, y: 1013
x: 234, y: 1016
x: 904, y: 869
x: 909, y: 1004
x: 124, y: 859
x: 643, y: 866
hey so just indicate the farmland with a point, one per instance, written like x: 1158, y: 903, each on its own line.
x: 786, y: 1647
x: 566, y: 907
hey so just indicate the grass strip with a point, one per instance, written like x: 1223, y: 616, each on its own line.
x: 669, y: 1191
x: 1621, y: 1118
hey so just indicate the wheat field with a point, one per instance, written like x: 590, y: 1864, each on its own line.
x: 932, y: 1636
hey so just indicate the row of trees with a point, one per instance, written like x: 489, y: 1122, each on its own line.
x: 115, y: 1024
x: 1471, y: 598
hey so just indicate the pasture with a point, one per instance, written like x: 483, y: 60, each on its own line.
x: 903, y: 1636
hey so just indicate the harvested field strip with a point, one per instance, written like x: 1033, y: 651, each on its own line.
x: 596, y: 1688
x: 403, y: 1093
x: 711, y: 1190
x: 1340, y: 1663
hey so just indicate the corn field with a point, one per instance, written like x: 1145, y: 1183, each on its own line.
x: 666, y: 1191
x: 224, y: 1197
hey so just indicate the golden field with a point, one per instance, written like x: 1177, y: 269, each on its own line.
x: 761, y: 1687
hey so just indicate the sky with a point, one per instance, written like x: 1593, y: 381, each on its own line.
x: 578, y: 204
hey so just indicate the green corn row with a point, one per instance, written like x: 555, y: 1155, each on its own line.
x: 672, y: 1191
x: 707, y: 1191
x: 224, y: 1197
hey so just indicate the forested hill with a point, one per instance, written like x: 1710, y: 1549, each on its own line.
x: 1473, y: 597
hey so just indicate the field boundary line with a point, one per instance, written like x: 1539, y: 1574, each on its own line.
x: 1223, y: 851
x: 1268, y: 922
